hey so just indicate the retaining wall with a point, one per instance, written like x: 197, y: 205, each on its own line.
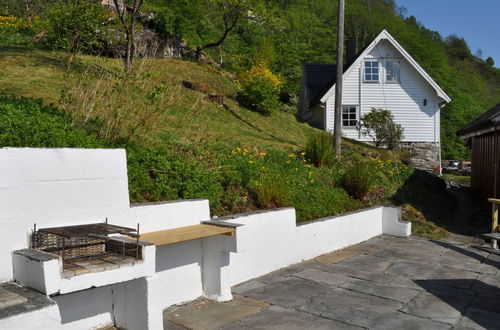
x: 60, y: 187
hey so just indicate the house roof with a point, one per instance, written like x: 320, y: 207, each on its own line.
x: 384, y: 35
x: 489, y: 119
x: 318, y: 77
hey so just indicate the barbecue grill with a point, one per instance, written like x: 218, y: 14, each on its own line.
x: 87, y: 241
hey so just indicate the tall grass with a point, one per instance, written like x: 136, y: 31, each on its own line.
x: 319, y: 149
x: 121, y: 106
x: 359, y: 179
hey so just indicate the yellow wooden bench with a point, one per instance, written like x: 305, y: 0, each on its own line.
x: 183, y: 234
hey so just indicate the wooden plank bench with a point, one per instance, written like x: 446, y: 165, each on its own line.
x: 183, y: 234
x: 495, y: 228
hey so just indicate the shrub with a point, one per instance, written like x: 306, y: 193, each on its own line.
x: 26, y: 122
x: 261, y: 90
x: 155, y: 174
x: 77, y: 27
x: 359, y: 180
x: 319, y: 149
x: 380, y: 126
x: 271, y: 191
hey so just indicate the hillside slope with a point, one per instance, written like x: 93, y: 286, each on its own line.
x: 191, y: 117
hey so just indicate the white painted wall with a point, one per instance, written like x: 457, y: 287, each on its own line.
x: 55, y: 187
x: 87, y: 309
x: 403, y: 99
x: 271, y: 240
x: 60, y: 186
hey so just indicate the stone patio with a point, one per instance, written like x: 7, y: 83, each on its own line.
x: 383, y: 283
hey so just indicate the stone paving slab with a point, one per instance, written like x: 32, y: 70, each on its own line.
x: 321, y: 276
x: 383, y: 283
x: 411, y: 270
x: 387, y: 291
x: 278, y: 318
x: 205, y: 314
x: 480, y: 319
x: 429, y: 306
x: 24, y: 300
x: 279, y: 293
x: 349, y: 252
x: 402, y: 321
x: 350, y: 307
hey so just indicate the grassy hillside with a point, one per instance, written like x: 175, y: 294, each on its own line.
x: 191, y: 115
x: 193, y: 147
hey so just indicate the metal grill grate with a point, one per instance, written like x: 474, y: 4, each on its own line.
x: 80, y: 241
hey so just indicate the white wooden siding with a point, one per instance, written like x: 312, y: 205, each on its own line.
x: 404, y: 99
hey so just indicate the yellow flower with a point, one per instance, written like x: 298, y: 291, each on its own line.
x: 288, y: 161
x: 302, y: 153
x: 262, y: 154
x: 291, y: 155
x: 250, y: 162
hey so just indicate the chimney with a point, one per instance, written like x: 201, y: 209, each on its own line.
x: 351, y: 50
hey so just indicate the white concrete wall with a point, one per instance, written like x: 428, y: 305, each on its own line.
x: 55, y: 187
x: 87, y: 309
x: 272, y: 240
x: 404, y: 99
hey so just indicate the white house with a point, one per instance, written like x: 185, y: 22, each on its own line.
x: 383, y: 76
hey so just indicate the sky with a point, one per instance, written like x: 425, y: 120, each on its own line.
x: 477, y: 21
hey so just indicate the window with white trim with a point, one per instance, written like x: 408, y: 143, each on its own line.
x: 392, y: 70
x: 371, y: 71
x: 349, y: 116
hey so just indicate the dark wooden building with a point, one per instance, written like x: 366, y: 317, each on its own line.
x: 483, y: 137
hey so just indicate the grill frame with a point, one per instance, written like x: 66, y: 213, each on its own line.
x: 85, y: 241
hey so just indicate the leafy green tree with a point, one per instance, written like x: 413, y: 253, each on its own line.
x: 380, y: 126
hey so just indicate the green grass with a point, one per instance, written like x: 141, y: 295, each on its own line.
x: 460, y: 179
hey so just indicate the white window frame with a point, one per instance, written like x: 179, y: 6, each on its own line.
x: 349, y: 116
x: 396, y: 69
x: 371, y: 68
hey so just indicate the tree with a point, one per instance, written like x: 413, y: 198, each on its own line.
x: 380, y: 126
x: 128, y: 20
x: 490, y: 61
x: 229, y: 14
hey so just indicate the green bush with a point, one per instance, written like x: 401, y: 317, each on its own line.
x: 380, y: 126
x: 155, y: 174
x: 359, y: 179
x: 319, y: 149
x: 272, y: 179
x: 77, y: 27
x: 261, y: 90
x: 26, y: 122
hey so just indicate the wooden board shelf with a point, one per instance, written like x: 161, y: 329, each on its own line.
x: 183, y: 234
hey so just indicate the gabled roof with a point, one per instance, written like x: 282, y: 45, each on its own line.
x: 489, y: 119
x: 317, y: 78
x: 384, y: 35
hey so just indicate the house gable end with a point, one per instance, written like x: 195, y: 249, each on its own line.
x: 384, y: 35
